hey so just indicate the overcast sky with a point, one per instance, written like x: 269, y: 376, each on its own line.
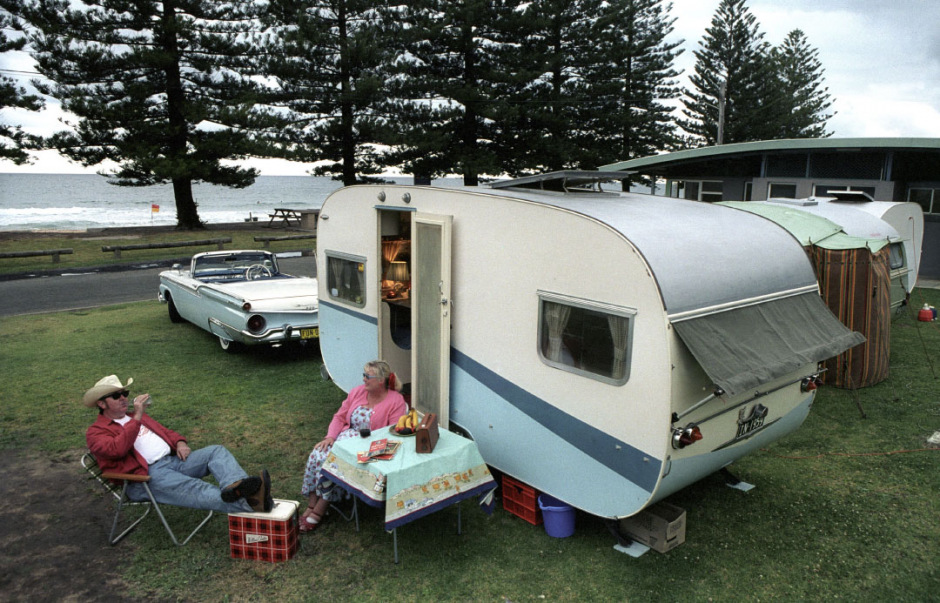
x: 881, y: 60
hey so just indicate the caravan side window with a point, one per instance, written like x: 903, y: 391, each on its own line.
x: 586, y: 338
x: 346, y: 278
x: 896, y: 256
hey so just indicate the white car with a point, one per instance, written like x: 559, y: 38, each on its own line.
x: 242, y: 298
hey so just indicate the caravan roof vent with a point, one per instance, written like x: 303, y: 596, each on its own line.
x: 566, y: 181
x: 850, y: 196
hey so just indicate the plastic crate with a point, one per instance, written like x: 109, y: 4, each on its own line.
x: 521, y: 500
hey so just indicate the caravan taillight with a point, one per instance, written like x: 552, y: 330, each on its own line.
x: 809, y: 383
x: 686, y: 437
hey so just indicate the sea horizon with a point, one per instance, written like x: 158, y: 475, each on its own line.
x: 33, y: 202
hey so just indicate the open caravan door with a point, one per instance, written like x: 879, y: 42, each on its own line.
x: 430, y: 314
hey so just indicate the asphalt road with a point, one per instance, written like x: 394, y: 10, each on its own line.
x: 90, y: 288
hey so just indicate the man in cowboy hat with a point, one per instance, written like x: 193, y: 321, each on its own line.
x: 125, y: 439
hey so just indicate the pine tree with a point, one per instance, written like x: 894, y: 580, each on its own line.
x: 629, y: 77
x: 328, y: 58
x: 446, y: 94
x: 735, y: 94
x: 13, y: 140
x: 548, y: 44
x: 806, y: 100
x: 161, y: 88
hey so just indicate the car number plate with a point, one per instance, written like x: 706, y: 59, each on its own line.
x: 310, y: 333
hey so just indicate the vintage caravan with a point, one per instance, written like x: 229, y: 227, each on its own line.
x: 605, y: 348
x: 901, y: 225
x: 855, y: 281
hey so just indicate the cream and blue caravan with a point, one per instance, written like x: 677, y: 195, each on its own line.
x: 605, y: 348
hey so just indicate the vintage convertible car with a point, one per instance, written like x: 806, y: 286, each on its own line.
x: 242, y: 298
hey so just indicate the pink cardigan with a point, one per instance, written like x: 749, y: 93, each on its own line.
x: 384, y: 413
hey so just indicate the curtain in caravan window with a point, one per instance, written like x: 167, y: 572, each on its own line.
x: 556, y: 317
x: 346, y: 279
x: 743, y: 348
x: 620, y: 333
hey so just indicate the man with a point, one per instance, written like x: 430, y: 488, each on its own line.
x: 125, y: 439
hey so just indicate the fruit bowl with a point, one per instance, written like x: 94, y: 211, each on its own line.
x: 394, y: 430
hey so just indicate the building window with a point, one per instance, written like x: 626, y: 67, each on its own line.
x: 789, y: 165
x: 711, y: 192
x: 346, y: 278
x: 586, y: 338
x: 927, y: 198
x: 855, y: 165
x: 779, y: 190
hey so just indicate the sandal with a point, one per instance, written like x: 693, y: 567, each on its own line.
x: 309, y: 521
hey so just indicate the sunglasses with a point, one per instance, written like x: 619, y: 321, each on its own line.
x: 116, y: 395
x: 368, y: 376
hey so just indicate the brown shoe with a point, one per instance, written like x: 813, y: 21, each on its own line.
x: 262, y: 501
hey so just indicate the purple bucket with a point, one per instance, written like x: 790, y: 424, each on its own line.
x: 557, y: 516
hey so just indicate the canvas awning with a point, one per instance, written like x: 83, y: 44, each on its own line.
x: 748, y: 346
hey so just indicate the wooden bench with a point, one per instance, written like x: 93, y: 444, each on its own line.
x: 55, y: 253
x: 117, y: 249
x: 267, y: 240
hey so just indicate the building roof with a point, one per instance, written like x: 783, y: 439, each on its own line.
x: 785, y: 145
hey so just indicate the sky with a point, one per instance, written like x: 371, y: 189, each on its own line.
x: 881, y: 61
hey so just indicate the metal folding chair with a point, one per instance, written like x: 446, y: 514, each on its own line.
x: 90, y: 464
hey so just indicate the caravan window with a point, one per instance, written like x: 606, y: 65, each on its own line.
x: 586, y: 338
x: 896, y: 256
x: 346, y: 278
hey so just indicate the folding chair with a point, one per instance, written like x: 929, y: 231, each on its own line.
x: 90, y: 464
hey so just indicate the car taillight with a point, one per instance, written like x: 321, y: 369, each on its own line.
x: 246, y: 306
x: 256, y: 323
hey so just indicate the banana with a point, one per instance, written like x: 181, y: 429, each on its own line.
x: 402, y: 421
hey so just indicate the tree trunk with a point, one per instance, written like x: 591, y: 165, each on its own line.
x: 186, y: 215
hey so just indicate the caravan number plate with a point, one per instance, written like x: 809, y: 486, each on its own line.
x: 310, y: 333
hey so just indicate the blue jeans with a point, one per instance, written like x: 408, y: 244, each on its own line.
x: 179, y: 483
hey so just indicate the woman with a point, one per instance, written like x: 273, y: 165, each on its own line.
x: 373, y: 405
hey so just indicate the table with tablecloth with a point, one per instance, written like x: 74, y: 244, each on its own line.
x: 411, y: 485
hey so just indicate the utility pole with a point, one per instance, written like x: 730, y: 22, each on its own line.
x: 722, y: 93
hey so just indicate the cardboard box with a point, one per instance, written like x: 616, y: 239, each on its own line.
x: 269, y: 536
x: 660, y: 527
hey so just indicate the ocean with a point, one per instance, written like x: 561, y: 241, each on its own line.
x: 83, y: 201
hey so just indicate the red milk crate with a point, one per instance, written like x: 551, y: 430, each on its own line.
x: 522, y: 500
x: 265, y: 536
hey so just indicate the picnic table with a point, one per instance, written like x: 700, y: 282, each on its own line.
x: 284, y: 217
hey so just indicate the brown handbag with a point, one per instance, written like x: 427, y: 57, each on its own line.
x: 426, y: 434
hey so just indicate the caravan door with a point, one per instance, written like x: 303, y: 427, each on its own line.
x: 430, y: 314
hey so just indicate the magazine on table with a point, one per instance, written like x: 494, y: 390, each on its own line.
x: 379, y: 450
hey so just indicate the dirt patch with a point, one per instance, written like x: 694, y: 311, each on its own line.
x: 53, y: 532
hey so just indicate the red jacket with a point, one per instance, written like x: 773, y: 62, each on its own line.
x: 113, y: 443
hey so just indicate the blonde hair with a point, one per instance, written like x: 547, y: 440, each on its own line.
x: 383, y: 370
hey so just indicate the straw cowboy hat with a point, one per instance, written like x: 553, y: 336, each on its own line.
x: 107, y: 385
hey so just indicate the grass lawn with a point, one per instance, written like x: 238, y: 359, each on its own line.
x: 87, y: 247
x: 845, y: 508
